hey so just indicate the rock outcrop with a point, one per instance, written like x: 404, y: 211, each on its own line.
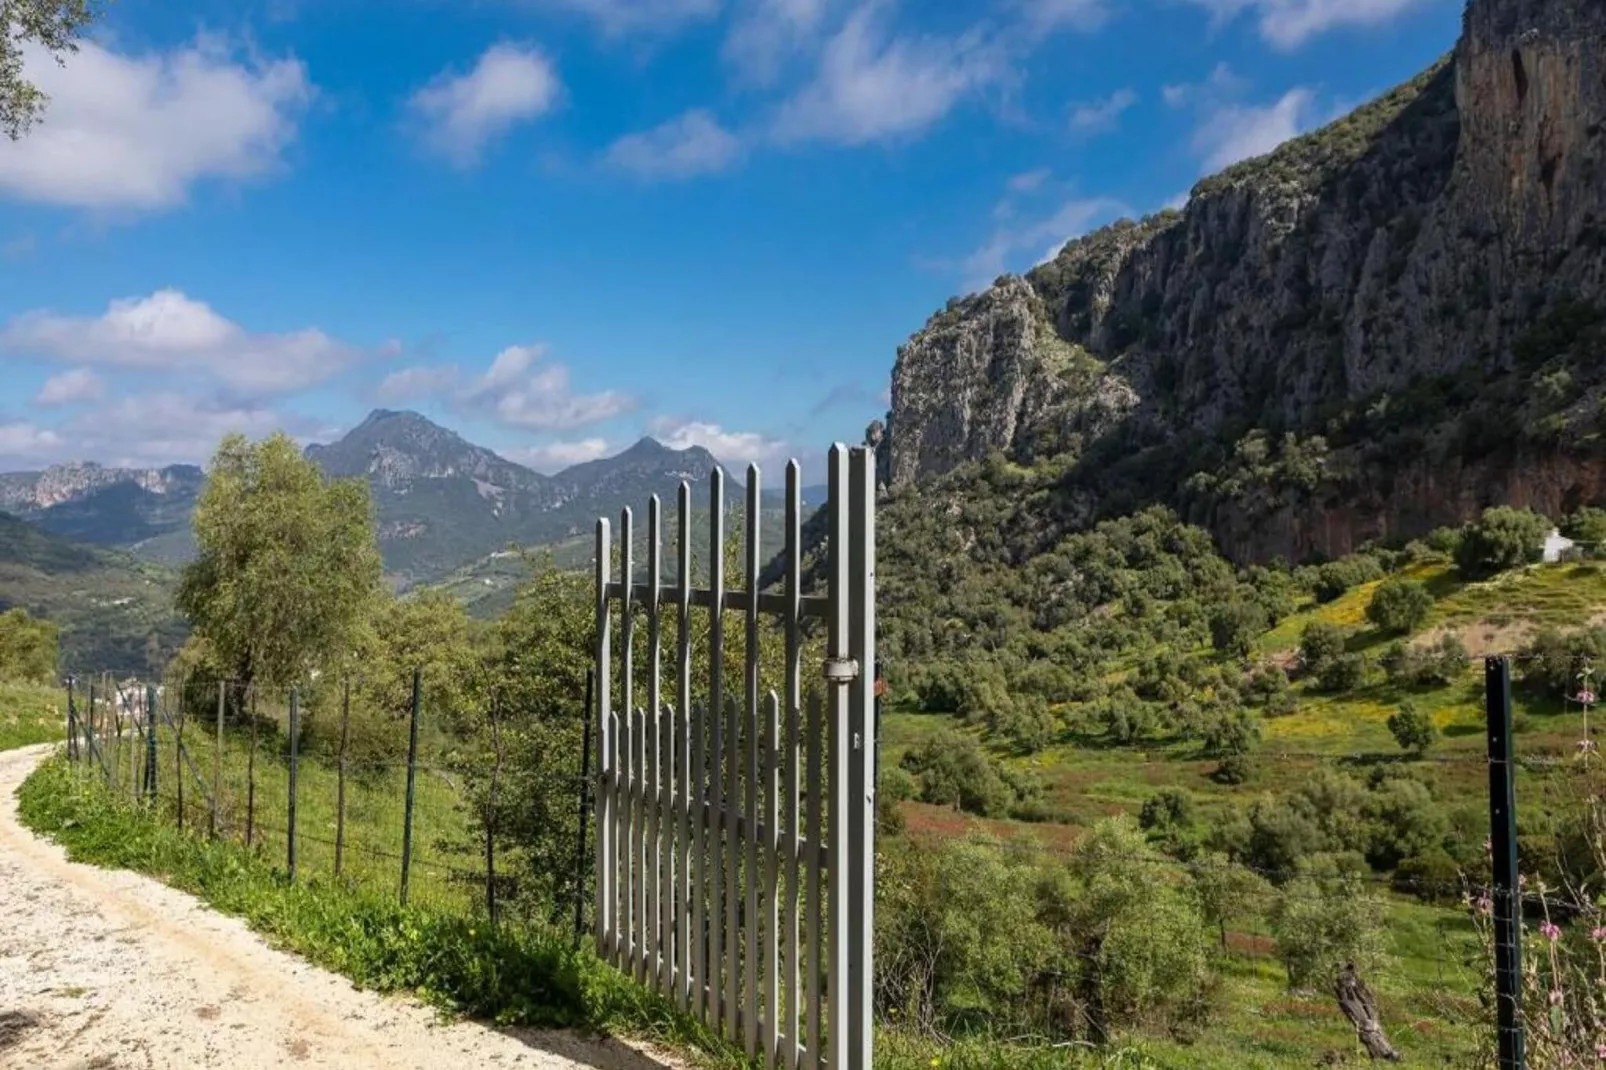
x: 1454, y: 228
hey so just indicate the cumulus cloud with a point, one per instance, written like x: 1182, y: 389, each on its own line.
x: 143, y: 430
x: 734, y: 449
x: 873, y: 85
x: 171, y: 332
x: 410, y: 384
x: 70, y: 387
x: 24, y: 444
x: 521, y: 388
x: 126, y: 131
x: 1048, y: 16
x: 1027, y: 181
x: 1099, y: 116
x: 692, y: 144
x: 1287, y: 24
x: 458, y: 115
x: 556, y: 456
x: 1234, y: 132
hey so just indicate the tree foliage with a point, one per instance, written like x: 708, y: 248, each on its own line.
x: 1412, y: 728
x: 286, y: 566
x: 1399, y: 605
x: 29, y: 648
x: 1502, y: 538
x: 54, y: 26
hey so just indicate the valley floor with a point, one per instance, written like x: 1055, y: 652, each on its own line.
x: 103, y: 968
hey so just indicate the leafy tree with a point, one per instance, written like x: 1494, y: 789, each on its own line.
x: 1234, y: 626
x: 287, y: 563
x: 1336, y: 577
x: 1322, y: 922
x: 1587, y: 525
x: 1319, y: 644
x: 1399, y: 605
x: 955, y: 771
x: 29, y: 648
x: 1343, y: 673
x: 55, y: 26
x: 1412, y: 729
x: 1553, y: 660
x: 1227, y: 891
x: 1503, y: 538
x: 1167, y: 808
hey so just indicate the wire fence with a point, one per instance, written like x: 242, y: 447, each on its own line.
x: 390, y: 808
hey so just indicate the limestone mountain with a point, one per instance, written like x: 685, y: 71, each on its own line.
x: 143, y: 509
x: 1377, y: 329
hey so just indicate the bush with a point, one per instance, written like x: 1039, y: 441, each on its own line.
x: 1588, y: 526
x: 1503, y: 538
x: 29, y: 648
x: 955, y: 771
x: 1431, y: 876
x: 1320, y: 644
x: 1167, y: 808
x: 1344, y: 673
x: 1552, y: 661
x: 1234, y: 769
x: 1399, y: 606
x: 1412, y: 729
x: 1234, y: 626
x: 1336, y: 577
x: 1437, y: 665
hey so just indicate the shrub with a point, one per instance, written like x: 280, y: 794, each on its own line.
x: 1319, y: 644
x: 1322, y: 924
x: 1412, y: 729
x: 1167, y: 808
x: 1344, y: 673
x: 1587, y: 525
x: 1234, y: 626
x: 1399, y: 606
x: 1552, y: 661
x: 29, y: 648
x: 1431, y: 876
x: 1336, y: 577
x: 1236, y: 768
x: 1503, y: 538
x: 955, y: 771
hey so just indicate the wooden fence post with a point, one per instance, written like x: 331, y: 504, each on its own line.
x: 412, y: 776
x: 1505, y: 896
x: 295, y: 755
x: 251, y: 774
x: 217, y: 756
x: 72, y: 722
x: 585, y: 803
x: 150, y: 744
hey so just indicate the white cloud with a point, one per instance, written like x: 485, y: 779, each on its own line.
x: 1048, y: 16
x: 1234, y: 132
x: 617, y: 17
x: 19, y: 247
x: 734, y: 449
x: 1003, y: 250
x: 409, y: 384
x: 520, y: 393
x: 1098, y: 116
x: 459, y: 115
x: 1287, y: 24
x: 1222, y: 82
x: 24, y: 444
x: 138, y: 132
x: 556, y: 456
x: 170, y: 332
x: 70, y: 387
x: 871, y: 85
x: 692, y: 144
x: 765, y: 35
x: 1027, y: 181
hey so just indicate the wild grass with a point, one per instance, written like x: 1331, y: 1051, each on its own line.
x: 31, y: 713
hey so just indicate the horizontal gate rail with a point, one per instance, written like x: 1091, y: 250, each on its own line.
x: 717, y: 882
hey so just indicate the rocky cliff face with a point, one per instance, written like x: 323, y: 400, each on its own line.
x: 28, y: 492
x: 1453, y: 229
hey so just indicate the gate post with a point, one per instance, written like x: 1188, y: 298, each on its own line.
x: 150, y: 744
x: 862, y: 709
x: 1506, y: 897
x: 295, y: 761
x: 72, y: 723
x: 412, y: 779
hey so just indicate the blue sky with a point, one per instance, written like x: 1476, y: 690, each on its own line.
x: 557, y: 225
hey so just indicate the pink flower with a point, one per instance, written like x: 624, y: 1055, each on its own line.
x: 1550, y: 931
x: 1600, y: 1050
x: 1598, y: 934
x: 1586, y: 746
x: 1555, y: 997
x: 1483, y: 905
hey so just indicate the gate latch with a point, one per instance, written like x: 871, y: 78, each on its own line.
x: 841, y: 670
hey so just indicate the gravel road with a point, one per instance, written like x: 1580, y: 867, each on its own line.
x: 103, y: 968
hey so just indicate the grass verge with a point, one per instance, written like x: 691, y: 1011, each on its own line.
x: 510, y: 976
x: 30, y: 713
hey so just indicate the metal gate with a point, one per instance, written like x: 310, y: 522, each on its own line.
x: 713, y: 884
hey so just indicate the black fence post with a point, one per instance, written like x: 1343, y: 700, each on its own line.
x: 295, y: 753
x: 251, y: 772
x: 412, y: 776
x: 585, y: 800
x: 150, y: 744
x: 340, y: 782
x: 1506, y: 896
x: 490, y: 816
x: 72, y: 722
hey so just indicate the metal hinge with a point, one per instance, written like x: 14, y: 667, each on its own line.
x: 841, y: 670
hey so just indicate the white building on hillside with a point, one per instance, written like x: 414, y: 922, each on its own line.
x: 1556, y: 544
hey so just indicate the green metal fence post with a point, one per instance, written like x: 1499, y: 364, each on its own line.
x: 295, y: 748
x: 150, y: 744
x: 412, y: 776
x: 1505, y: 897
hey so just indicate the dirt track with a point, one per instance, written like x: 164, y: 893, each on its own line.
x: 103, y: 968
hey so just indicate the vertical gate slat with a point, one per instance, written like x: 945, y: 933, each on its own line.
x: 840, y: 753
x: 794, y: 607
x: 650, y: 740
x: 629, y: 936
x: 699, y: 864
x: 731, y: 844
x: 861, y: 787
x: 772, y: 842
x: 683, y: 830
x: 716, y: 714
x: 750, y: 960
x: 813, y: 861
x: 607, y: 931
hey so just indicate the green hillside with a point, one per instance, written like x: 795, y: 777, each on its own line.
x: 114, y: 610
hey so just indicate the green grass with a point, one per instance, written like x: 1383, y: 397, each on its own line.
x: 30, y: 713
